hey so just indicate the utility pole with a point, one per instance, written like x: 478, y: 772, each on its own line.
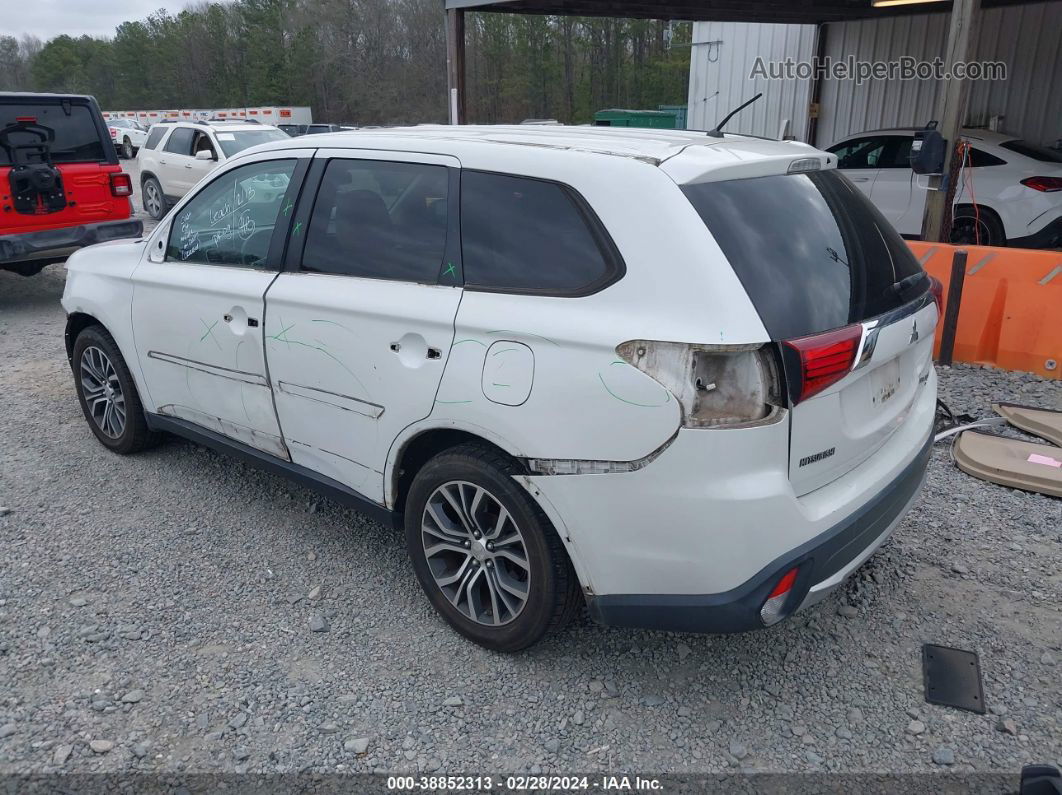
x: 962, y: 41
x: 455, y: 64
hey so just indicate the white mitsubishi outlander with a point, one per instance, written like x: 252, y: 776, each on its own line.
x: 683, y: 378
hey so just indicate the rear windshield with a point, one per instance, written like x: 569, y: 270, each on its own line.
x: 77, y: 140
x: 238, y: 140
x: 1041, y: 153
x: 810, y: 249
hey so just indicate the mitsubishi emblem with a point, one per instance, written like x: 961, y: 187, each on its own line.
x: 914, y: 334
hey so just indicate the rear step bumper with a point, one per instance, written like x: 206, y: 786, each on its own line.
x: 824, y: 562
x: 54, y: 245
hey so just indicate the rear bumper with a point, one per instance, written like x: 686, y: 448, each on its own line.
x: 1048, y: 237
x: 824, y: 563
x: 53, y: 245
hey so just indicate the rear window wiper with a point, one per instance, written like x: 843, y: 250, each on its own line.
x: 902, y: 286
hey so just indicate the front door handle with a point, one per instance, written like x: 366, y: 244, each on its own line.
x: 860, y: 179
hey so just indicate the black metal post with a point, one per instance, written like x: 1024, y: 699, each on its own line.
x: 951, y: 312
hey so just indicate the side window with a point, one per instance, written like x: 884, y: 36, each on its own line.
x: 897, y: 153
x: 860, y: 153
x: 154, y: 137
x: 202, y: 143
x: 230, y: 221
x: 379, y: 220
x: 978, y: 158
x: 528, y: 235
x: 180, y: 141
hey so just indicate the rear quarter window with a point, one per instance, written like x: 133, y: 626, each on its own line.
x: 76, y: 136
x: 1041, y: 153
x: 154, y: 137
x: 526, y: 235
x: 811, y: 251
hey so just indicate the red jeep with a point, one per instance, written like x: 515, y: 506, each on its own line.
x: 61, y: 187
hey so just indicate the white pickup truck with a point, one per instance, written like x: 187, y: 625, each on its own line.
x: 128, y: 136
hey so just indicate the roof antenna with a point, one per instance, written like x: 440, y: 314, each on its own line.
x: 717, y: 132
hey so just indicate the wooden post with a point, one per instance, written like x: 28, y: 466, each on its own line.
x: 962, y: 42
x: 455, y: 64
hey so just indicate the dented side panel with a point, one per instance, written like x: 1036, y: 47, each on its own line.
x: 199, y: 344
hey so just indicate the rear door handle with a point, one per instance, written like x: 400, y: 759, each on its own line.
x: 860, y: 179
x: 434, y: 353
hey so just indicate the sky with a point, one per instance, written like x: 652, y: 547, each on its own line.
x: 49, y: 18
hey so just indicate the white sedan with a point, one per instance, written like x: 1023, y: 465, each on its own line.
x: 1009, y: 191
x: 127, y: 136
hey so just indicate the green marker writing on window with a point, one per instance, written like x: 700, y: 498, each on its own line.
x: 298, y: 228
x: 288, y: 208
x: 450, y: 271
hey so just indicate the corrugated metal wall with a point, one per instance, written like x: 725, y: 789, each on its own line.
x: 1028, y: 38
x: 724, y: 54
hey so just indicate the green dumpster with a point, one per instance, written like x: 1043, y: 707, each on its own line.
x: 655, y: 119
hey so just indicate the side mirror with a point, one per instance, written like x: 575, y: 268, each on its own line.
x: 205, y: 154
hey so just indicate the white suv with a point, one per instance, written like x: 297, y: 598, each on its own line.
x: 176, y: 156
x: 685, y: 379
x: 1009, y: 191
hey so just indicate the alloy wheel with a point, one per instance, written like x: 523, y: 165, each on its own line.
x: 152, y: 199
x: 969, y: 231
x: 103, y: 392
x: 476, y: 553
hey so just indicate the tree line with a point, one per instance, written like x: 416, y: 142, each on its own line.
x: 360, y: 62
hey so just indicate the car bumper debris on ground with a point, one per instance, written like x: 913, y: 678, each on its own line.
x: 180, y: 611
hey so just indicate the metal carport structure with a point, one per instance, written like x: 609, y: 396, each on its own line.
x: 964, y: 23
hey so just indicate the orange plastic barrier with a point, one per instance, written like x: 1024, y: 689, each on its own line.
x: 1011, y: 311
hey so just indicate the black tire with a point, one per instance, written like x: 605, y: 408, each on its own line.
x: 25, y: 268
x: 135, y: 434
x: 554, y: 594
x: 127, y: 149
x: 980, y: 227
x: 155, y: 205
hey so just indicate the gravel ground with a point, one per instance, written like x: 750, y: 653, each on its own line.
x: 156, y: 613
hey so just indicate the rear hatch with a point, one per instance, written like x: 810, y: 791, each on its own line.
x: 843, y: 297
x: 82, y: 152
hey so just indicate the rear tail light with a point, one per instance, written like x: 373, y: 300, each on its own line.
x: 121, y: 185
x: 936, y: 288
x: 716, y: 385
x: 820, y: 360
x: 1043, y: 184
x: 771, y: 612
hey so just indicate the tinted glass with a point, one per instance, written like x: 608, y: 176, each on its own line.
x: 154, y: 136
x: 238, y: 140
x: 379, y: 220
x: 76, y: 138
x: 981, y: 159
x: 527, y: 235
x: 180, y: 141
x: 1041, y: 153
x: 861, y: 153
x: 230, y: 221
x: 897, y: 153
x: 810, y: 249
